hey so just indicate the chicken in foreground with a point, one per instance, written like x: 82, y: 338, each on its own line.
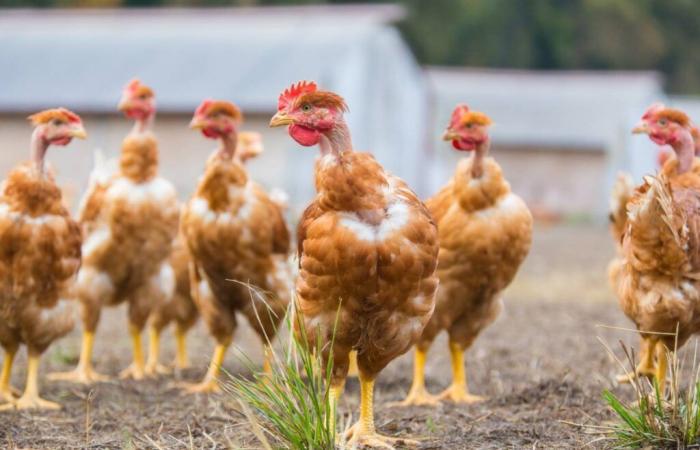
x: 238, y: 242
x: 485, y: 231
x: 658, y: 286
x: 39, y: 257
x: 180, y: 308
x: 129, y: 222
x: 367, y: 253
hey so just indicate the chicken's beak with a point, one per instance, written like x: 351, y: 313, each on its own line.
x: 196, y: 123
x: 124, y: 104
x: 641, y: 128
x: 450, y: 135
x: 280, y: 119
x: 78, y: 132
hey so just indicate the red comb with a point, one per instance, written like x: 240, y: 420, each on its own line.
x: 202, y: 108
x: 457, y: 114
x: 294, y: 91
x: 72, y: 117
x: 654, y: 108
x: 133, y: 85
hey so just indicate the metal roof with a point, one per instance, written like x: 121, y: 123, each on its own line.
x: 566, y: 109
x: 82, y: 58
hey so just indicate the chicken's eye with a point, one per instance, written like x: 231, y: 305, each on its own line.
x: 470, y: 125
x: 57, y: 122
x: 143, y: 96
x: 306, y: 107
x: 662, y: 122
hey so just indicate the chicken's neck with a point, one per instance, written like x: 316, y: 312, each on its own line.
x: 352, y: 182
x: 684, y: 147
x: 227, y: 147
x: 482, y: 150
x: 337, y: 140
x: 143, y: 125
x: 39, y: 146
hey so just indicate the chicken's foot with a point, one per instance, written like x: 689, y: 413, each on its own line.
x: 646, y: 367
x: 7, y: 392
x: 136, y: 370
x: 363, y: 434
x: 153, y: 367
x: 83, y: 373
x: 458, y: 392
x: 30, y: 398
x: 210, y: 382
x: 418, y: 395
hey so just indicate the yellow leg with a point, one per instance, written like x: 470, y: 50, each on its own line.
x: 661, y: 365
x: 6, y: 391
x: 210, y: 382
x: 136, y: 370
x: 363, y: 433
x: 353, y: 372
x: 334, y: 395
x: 646, y: 363
x: 458, y: 391
x: 181, y: 361
x: 30, y: 398
x: 83, y: 373
x: 418, y: 395
x: 267, y: 362
x: 153, y: 367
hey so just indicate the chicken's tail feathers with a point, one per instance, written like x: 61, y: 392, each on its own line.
x: 279, y: 197
x: 103, y: 168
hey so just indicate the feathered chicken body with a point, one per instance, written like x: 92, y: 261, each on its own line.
x: 39, y: 256
x: 658, y: 285
x: 181, y: 308
x: 129, y: 222
x: 367, y: 252
x: 485, y: 233
x: 238, y: 241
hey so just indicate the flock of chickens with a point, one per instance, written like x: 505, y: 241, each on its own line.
x: 370, y: 254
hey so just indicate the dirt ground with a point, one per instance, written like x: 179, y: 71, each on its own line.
x: 541, y: 366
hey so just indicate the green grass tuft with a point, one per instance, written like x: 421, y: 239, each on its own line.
x: 657, y: 420
x: 289, y: 408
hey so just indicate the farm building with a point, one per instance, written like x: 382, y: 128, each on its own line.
x: 82, y: 60
x: 559, y: 136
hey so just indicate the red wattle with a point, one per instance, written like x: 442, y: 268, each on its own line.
x: 463, y: 145
x: 304, y: 135
x: 61, y: 141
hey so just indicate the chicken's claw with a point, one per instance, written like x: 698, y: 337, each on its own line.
x: 133, y: 372
x: 30, y: 402
x: 205, y: 387
x: 79, y: 375
x: 416, y: 398
x: 458, y: 394
x: 156, y: 369
x: 356, y: 439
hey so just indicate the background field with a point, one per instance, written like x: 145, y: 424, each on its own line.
x: 540, y: 364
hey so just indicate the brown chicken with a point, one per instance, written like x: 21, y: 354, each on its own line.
x: 39, y: 256
x: 367, y: 252
x: 485, y: 233
x: 129, y: 223
x: 658, y: 285
x: 180, y: 308
x: 238, y: 241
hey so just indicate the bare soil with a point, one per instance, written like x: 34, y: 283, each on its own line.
x: 541, y: 365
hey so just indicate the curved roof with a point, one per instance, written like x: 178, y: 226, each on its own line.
x: 82, y: 58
